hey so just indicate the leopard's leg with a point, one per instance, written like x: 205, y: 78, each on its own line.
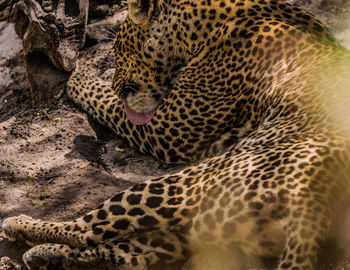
x: 32, y: 231
x: 306, y: 235
x: 314, y: 208
x: 138, y: 252
x: 152, y: 205
x: 94, y: 95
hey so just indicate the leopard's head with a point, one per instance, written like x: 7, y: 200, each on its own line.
x: 146, y: 59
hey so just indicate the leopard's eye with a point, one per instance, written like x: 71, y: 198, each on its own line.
x: 128, y: 88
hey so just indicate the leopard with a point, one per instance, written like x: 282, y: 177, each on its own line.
x: 253, y: 95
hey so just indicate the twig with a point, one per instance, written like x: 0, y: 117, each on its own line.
x: 48, y: 116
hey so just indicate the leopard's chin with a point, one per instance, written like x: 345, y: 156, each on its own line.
x: 138, y: 118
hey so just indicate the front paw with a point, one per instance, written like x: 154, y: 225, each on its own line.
x: 14, y: 228
x: 45, y: 256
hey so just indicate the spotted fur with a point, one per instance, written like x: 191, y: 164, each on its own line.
x: 258, y: 86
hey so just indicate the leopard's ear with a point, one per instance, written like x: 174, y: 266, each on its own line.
x: 141, y: 11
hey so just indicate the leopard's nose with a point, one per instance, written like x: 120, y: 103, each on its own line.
x: 128, y: 88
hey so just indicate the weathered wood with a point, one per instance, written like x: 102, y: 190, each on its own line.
x: 52, y: 33
x: 5, y: 7
x: 47, y: 83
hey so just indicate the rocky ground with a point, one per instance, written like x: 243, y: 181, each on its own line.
x: 58, y: 164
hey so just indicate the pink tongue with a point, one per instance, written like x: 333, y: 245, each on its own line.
x: 138, y: 118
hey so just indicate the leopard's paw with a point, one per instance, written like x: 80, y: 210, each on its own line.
x: 46, y: 256
x: 15, y: 228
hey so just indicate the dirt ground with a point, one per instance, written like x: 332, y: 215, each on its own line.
x: 58, y: 164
